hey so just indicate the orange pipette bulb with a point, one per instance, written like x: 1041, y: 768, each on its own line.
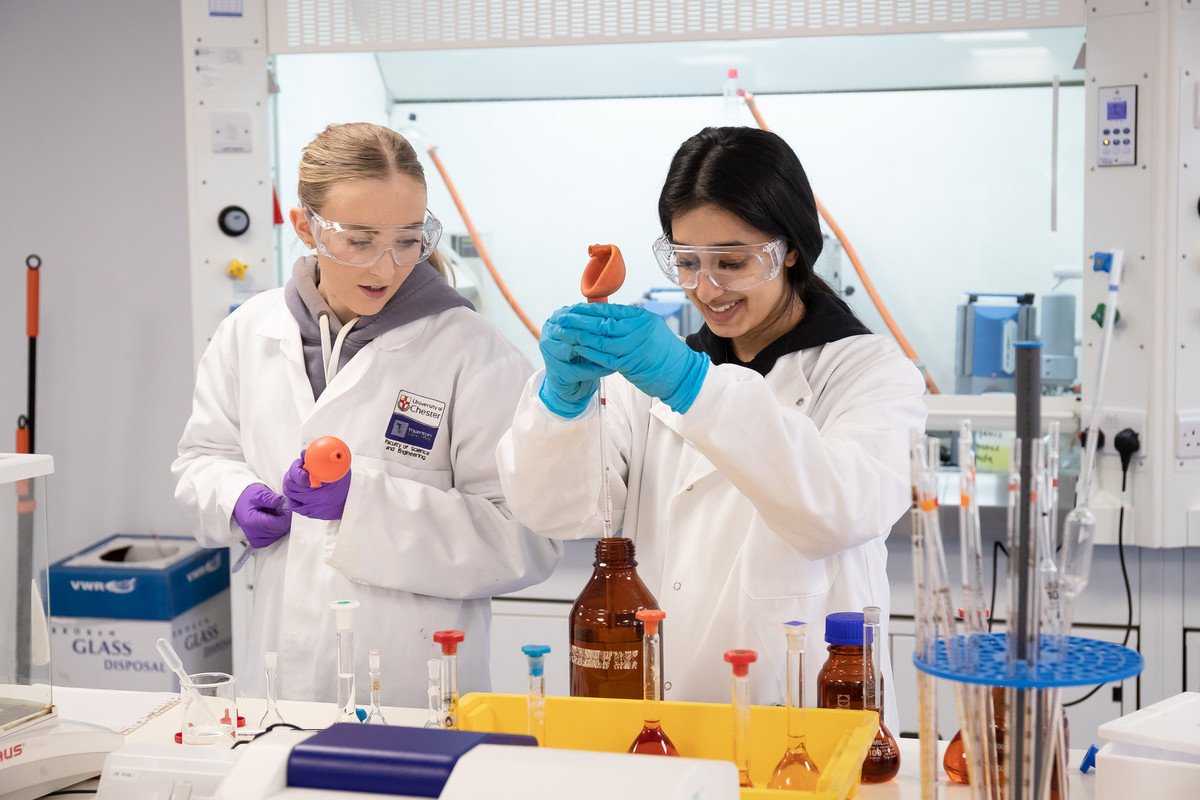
x: 326, y: 460
x: 604, y: 273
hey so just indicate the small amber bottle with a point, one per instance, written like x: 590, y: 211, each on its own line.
x: 606, y: 635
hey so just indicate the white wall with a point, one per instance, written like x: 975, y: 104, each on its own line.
x: 940, y: 192
x: 94, y: 182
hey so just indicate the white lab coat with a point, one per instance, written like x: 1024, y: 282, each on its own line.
x: 768, y: 501
x: 424, y: 542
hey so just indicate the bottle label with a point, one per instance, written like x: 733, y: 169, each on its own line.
x: 604, y: 659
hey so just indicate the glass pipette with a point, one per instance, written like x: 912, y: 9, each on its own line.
x: 449, y: 641
x: 535, y: 700
x: 375, y: 716
x: 741, y: 661
x: 937, y: 581
x: 796, y: 770
x: 1011, y: 535
x: 926, y: 635
x: 653, y: 740
x: 344, y: 612
x: 1079, y: 529
x: 883, y: 759
x: 608, y: 526
x: 272, y: 715
x: 977, y: 700
x: 434, y: 693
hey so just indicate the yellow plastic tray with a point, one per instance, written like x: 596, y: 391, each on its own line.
x: 837, y: 740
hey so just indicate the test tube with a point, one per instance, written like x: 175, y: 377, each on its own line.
x: 344, y: 612
x: 272, y: 715
x: 449, y: 640
x: 535, y: 700
x: 741, y: 661
x: 434, y: 693
x: 375, y: 717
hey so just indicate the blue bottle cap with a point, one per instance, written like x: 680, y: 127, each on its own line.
x: 844, y: 628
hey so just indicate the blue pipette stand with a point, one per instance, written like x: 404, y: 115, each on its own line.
x: 1087, y: 662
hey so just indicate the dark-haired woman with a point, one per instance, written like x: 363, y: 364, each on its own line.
x: 758, y: 467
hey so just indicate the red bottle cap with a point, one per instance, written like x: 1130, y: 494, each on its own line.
x: 449, y: 641
x: 651, y: 617
x: 733, y: 73
x: 326, y: 460
x: 741, y: 660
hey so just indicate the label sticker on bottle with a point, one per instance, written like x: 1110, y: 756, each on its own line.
x: 604, y: 659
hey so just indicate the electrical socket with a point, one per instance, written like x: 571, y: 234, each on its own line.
x: 1115, y: 420
x: 1187, y: 434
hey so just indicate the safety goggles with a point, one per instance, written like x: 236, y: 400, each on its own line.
x: 363, y: 245
x: 734, y: 268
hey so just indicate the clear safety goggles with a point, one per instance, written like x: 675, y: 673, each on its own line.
x: 363, y: 245
x: 734, y: 268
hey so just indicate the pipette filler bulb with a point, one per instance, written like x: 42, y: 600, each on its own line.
x: 604, y: 274
x: 326, y: 460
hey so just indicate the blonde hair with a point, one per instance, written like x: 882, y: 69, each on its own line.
x: 357, y: 150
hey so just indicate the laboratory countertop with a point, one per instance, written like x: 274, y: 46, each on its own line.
x: 906, y: 785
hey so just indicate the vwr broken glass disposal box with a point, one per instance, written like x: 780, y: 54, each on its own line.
x: 111, y: 602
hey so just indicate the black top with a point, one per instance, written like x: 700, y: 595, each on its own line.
x: 827, y: 319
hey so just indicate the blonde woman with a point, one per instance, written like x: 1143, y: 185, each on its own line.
x: 367, y: 342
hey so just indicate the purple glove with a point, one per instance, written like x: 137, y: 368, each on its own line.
x: 262, y: 515
x: 327, y: 501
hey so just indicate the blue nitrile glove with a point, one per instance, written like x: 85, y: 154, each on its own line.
x: 262, y: 515
x: 570, y: 381
x: 326, y: 501
x: 638, y: 344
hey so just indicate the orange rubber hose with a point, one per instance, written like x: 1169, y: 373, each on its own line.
x: 478, y: 242
x: 858, y: 265
x: 32, y: 283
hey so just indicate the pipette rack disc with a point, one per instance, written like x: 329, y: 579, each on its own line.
x: 1088, y: 661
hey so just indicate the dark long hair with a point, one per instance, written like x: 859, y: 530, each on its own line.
x: 754, y: 175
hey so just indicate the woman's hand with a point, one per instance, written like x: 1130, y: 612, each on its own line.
x: 638, y: 344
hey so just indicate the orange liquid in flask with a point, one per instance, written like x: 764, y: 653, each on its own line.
x: 652, y: 741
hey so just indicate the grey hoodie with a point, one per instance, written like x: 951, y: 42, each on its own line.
x: 423, y: 294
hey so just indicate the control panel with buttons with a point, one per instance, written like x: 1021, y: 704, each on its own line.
x: 1116, y: 135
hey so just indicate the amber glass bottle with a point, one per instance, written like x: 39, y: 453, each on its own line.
x: 606, y: 635
x: 840, y: 685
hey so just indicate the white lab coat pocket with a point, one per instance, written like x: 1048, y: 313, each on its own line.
x: 772, y: 569
x: 426, y: 472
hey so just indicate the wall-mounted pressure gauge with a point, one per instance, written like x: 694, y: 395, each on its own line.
x: 234, y: 220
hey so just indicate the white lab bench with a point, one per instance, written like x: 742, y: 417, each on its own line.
x: 906, y: 785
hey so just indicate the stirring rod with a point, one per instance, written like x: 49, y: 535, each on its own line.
x: 175, y: 664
